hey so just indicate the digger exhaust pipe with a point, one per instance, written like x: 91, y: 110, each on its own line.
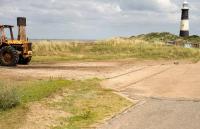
x: 21, y: 23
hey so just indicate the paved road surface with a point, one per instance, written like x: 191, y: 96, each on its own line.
x: 159, y: 114
x: 169, y: 97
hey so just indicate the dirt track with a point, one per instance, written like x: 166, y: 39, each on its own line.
x: 74, y: 70
x: 58, y: 70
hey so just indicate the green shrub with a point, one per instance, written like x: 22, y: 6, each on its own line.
x: 155, y: 36
x: 8, y: 97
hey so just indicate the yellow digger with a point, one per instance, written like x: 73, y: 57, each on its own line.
x: 15, y: 51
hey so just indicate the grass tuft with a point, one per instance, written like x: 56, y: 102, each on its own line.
x: 9, y: 98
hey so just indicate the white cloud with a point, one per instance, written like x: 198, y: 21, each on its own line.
x: 52, y: 1
x: 107, y: 8
x: 97, y: 18
x: 166, y: 5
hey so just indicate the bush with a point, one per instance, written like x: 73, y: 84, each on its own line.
x: 155, y: 36
x: 8, y: 97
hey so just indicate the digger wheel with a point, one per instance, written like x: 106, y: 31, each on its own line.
x: 24, y: 61
x: 8, y: 56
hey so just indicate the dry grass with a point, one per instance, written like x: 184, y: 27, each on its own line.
x: 118, y: 48
x: 8, y: 97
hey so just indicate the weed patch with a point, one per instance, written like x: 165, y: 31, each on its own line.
x: 9, y: 97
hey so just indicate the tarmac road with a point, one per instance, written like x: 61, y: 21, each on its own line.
x: 159, y: 114
x: 169, y: 98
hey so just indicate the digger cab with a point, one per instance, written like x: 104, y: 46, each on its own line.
x: 3, y: 37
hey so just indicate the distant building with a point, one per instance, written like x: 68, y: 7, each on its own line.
x: 184, y: 30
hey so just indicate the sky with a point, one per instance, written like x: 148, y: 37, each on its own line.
x: 98, y: 19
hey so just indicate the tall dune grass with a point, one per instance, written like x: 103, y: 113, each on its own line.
x: 111, y: 49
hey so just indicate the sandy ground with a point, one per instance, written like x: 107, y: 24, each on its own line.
x: 41, y: 116
x: 72, y: 70
x: 168, y: 92
x: 77, y: 70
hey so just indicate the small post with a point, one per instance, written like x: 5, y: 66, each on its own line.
x: 11, y: 33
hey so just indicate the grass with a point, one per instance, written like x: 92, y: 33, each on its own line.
x: 13, y: 119
x: 165, y: 37
x: 35, y: 91
x: 8, y: 97
x: 12, y: 94
x: 109, y: 50
x: 27, y: 91
x: 86, y: 102
x: 153, y: 37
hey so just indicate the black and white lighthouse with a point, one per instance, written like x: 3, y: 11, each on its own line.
x: 184, y: 32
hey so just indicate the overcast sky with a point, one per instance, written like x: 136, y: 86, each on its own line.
x: 98, y: 19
